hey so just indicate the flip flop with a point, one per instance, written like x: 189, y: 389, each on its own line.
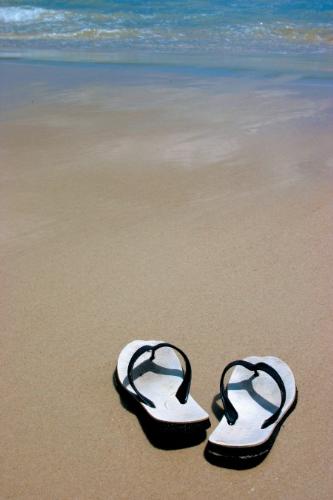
x: 150, y: 376
x: 255, y: 406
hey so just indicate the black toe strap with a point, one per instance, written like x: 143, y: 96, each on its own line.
x: 184, y: 388
x: 229, y: 410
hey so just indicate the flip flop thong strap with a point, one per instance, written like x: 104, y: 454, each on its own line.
x: 184, y: 388
x: 230, y: 411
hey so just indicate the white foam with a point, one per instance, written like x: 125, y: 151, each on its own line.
x: 23, y: 15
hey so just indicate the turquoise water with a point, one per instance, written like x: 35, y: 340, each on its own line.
x: 218, y: 33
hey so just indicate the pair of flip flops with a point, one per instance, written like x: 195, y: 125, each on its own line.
x: 259, y: 396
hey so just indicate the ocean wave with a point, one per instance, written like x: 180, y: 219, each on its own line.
x: 306, y: 35
x: 23, y: 15
x: 228, y: 34
x: 84, y: 34
x: 199, y: 28
x: 17, y: 16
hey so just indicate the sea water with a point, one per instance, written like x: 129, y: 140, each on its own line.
x: 284, y: 34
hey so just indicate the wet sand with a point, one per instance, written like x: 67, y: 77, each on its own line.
x: 162, y: 212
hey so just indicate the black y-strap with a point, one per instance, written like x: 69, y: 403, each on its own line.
x: 229, y: 410
x: 184, y: 388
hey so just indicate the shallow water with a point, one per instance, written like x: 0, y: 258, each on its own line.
x: 220, y: 33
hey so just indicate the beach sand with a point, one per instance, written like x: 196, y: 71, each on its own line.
x: 161, y: 212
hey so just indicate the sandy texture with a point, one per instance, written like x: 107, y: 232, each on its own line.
x: 209, y: 226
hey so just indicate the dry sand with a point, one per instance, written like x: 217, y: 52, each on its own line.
x: 127, y: 221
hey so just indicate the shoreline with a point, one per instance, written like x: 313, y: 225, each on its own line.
x: 55, y: 76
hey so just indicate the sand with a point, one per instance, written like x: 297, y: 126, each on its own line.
x: 141, y: 215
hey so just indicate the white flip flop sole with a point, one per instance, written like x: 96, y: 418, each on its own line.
x: 256, y: 399
x: 158, y: 380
